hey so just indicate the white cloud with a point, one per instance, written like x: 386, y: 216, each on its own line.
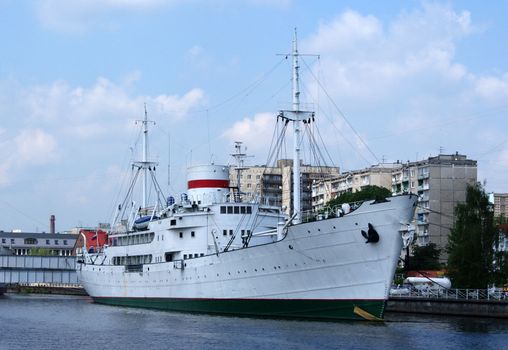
x: 77, y: 107
x: 254, y: 132
x: 29, y: 148
x: 35, y: 147
x: 493, y: 88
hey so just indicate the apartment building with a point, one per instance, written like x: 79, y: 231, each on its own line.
x: 352, y: 181
x: 440, y: 183
x: 274, y: 185
x: 501, y: 204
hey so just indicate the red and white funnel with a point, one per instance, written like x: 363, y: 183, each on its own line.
x: 207, y: 184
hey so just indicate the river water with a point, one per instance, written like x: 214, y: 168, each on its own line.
x: 70, y: 322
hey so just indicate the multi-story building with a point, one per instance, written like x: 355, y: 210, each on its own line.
x: 501, y: 204
x: 274, y: 185
x: 23, y: 243
x: 352, y: 181
x: 440, y: 182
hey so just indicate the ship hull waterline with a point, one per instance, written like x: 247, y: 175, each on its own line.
x: 274, y: 308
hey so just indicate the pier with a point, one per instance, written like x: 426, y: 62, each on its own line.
x: 457, y: 302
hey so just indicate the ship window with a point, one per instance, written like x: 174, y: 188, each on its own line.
x: 196, y: 255
x: 168, y: 256
x: 242, y: 210
x: 230, y: 210
x: 224, y: 232
x: 223, y: 209
x: 243, y: 233
x: 193, y: 234
x: 237, y: 210
x: 230, y: 232
x: 202, y: 254
x: 185, y: 256
x: 249, y: 210
x: 181, y: 234
x: 173, y: 222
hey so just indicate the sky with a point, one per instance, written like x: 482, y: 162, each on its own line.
x: 388, y: 80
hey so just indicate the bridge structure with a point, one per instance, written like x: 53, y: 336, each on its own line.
x: 51, y: 271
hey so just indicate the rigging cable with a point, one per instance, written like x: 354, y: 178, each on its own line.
x: 341, y: 113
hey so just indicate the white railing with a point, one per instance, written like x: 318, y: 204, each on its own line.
x: 494, y: 294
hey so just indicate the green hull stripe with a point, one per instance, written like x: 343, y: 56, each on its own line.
x: 312, y: 309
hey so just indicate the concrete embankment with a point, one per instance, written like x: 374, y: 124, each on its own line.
x: 478, y: 308
x: 30, y: 289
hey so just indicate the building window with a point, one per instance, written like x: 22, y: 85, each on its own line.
x: 56, y: 242
x: 65, y: 242
x: 3, y: 240
x: 12, y: 240
x: 47, y: 242
x: 30, y: 241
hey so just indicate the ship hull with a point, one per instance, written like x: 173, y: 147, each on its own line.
x: 322, y: 269
x: 276, y: 308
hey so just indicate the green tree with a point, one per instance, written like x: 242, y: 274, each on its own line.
x: 424, y: 258
x: 40, y: 252
x: 366, y: 193
x: 472, y: 242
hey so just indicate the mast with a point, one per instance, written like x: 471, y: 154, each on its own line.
x: 296, y: 132
x: 239, y: 156
x: 296, y: 116
x: 145, y: 158
x: 145, y: 164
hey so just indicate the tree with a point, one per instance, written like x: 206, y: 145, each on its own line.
x: 366, y: 193
x: 424, y: 258
x: 472, y: 242
x: 40, y: 252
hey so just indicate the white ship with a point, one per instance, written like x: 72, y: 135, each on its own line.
x: 211, y: 252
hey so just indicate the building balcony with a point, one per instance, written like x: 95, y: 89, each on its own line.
x: 423, y: 176
x: 424, y: 233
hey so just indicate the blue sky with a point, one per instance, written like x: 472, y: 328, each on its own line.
x: 412, y: 77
